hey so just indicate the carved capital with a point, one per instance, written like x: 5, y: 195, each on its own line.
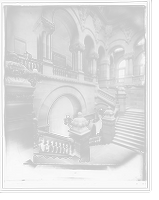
x: 44, y: 25
x: 77, y: 47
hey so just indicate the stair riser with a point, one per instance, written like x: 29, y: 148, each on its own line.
x: 131, y: 122
x: 128, y: 147
x: 130, y: 128
x: 129, y: 143
x: 129, y: 131
x: 130, y: 125
x: 141, y: 137
x: 129, y: 139
x: 132, y: 119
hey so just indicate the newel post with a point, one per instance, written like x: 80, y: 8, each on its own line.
x: 108, y: 127
x: 80, y: 133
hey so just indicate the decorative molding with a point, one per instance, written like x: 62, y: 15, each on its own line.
x: 44, y: 24
x: 83, y: 14
x: 128, y: 55
x: 128, y: 32
x: 77, y: 47
x: 18, y: 97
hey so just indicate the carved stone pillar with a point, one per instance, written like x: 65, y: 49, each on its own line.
x: 80, y: 133
x: 18, y: 113
x: 77, y: 56
x: 104, y: 67
x: 94, y: 56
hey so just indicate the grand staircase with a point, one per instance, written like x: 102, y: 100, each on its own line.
x: 130, y: 130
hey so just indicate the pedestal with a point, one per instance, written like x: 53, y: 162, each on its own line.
x: 82, y: 149
x: 121, y: 96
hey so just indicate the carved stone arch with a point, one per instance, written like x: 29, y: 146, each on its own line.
x: 88, y: 32
x: 116, y: 44
x: 69, y: 20
x: 52, y: 97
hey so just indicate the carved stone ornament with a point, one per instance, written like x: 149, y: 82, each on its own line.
x: 79, y: 124
x: 127, y: 27
x: 108, y: 30
x: 83, y: 14
x: 97, y: 23
x: 77, y: 47
x: 44, y: 24
x: 16, y: 73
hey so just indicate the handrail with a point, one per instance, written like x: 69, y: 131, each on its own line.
x: 53, y: 143
x: 106, y: 95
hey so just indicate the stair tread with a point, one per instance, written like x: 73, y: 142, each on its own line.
x: 128, y: 145
x: 132, y: 128
x: 130, y: 121
x: 131, y: 134
x: 128, y: 142
x: 130, y: 137
x: 129, y: 131
x: 130, y: 125
x: 132, y: 117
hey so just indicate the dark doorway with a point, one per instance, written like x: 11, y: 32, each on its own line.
x: 65, y: 105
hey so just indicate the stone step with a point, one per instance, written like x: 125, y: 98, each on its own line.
x: 132, y: 119
x: 139, y: 136
x: 127, y: 145
x: 134, y: 116
x: 140, y: 126
x: 130, y: 138
x: 129, y: 131
x: 129, y: 142
x: 127, y: 127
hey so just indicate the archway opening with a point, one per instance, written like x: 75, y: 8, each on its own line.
x: 64, y: 36
x: 64, y: 105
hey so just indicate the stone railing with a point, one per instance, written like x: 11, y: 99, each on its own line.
x: 30, y: 64
x: 64, y: 72
x: 107, y: 96
x: 55, y: 144
x: 126, y: 81
x: 96, y: 139
x: 88, y: 77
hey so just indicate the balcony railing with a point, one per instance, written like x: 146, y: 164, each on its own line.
x: 132, y: 80
x: 64, y: 72
x: 30, y: 64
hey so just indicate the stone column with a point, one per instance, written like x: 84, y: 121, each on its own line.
x: 18, y: 113
x: 121, y: 98
x: 104, y: 66
x: 77, y: 56
x: 94, y: 56
x: 80, y: 133
x: 43, y: 25
x: 108, y: 127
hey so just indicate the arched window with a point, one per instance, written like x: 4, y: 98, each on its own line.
x: 121, y: 69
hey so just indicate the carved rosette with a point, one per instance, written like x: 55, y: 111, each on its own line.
x: 77, y: 47
x: 128, y: 32
x: 44, y: 24
x: 83, y: 14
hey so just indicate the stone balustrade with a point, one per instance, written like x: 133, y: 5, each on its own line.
x: 55, y: 144
x: 30, y: 64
